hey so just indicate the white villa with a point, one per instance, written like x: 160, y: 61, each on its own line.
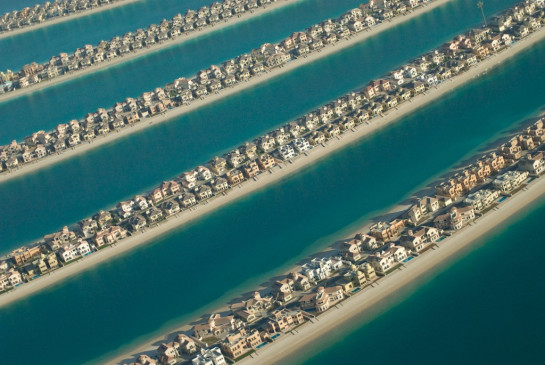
x: 212, y: 356
x: 510, y: 180
x: 482, y: 199
x: 385, y: 260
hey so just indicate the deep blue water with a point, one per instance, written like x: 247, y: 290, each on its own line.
x: 487, y: 308
x: 46, y: 108
x: 144, y: 293
x: 83, y: 185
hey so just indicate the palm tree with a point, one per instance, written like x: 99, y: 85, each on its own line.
x: 480, y: 6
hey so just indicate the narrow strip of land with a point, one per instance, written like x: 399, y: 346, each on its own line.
x: 66, y: 18
x: 266, y: 179
x: 196, y: 104
x: 147, y: 50
x: 368, y: 299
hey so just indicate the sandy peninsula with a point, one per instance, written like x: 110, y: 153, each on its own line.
x: 147, y: 50
x: 266, y: 179
x: 196, y: 104
x: 62, y: 19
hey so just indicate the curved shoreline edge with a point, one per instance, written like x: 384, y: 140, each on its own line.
x: 146, y: 51
x: 63, y: 19
x: 211, y: 98
x: 264, y: 180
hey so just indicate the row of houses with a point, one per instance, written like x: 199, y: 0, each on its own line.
x: 298, y: 44
x: 49, y: 10
x: 118, y: 46
x: 376, y: 98
x: 178, y: 93
x: 253, y: 158
x: 322, y: 282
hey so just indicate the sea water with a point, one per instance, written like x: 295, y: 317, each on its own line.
x: 45, y: 109
x: 81, y: 186
x: 487, y: 308
x: 152, y: 289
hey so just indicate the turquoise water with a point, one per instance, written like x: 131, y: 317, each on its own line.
x: 140, y: 295
x: 10, y: 5
x: 76, y: 98
x: 487, y: 308
x: 40, y: 44
x: 47, y: 108
x: 105, y: 176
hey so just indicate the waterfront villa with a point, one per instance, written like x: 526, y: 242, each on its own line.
x: 300, y: 281
x: 249, y: 310
x: 510, y: 180
x: 353, y: 278
x: 386, y: 231
x: 387, y: 259
x: 109, y: 236
x: 72, y: 251
x: 455, y: 219
x: 322, y: 299
x: 240, y: 342
x: 418, y: 239
x: 210, y: 356
x: 216, y: 326
x: 368, y: 242
x: 283, y: 289
x: 351, y: 250
x: 481, y: 199
x: 25, y: 254
x: 283, y: 320
x: 321, y: 268
x: 10, y: 279
x: 422, y: 208
x: 56, y: 240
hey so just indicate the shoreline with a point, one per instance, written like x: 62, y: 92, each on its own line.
x: 62, y: 19
x: 169, y: 115
x: 264, y: 179
x: 144, y: 51
x: 447, y: 251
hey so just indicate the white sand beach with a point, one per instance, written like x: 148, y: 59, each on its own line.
x: 66, y: 18
x: 267, y: 178
x: 145, y: 51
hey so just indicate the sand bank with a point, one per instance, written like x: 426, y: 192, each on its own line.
x: 146, y: 50
x: 62, y: 19
x: 267, y: 178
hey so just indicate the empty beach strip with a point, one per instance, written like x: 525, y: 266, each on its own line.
x: 90, y: 59
x: 43, y: 15
x: 259, y: 163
